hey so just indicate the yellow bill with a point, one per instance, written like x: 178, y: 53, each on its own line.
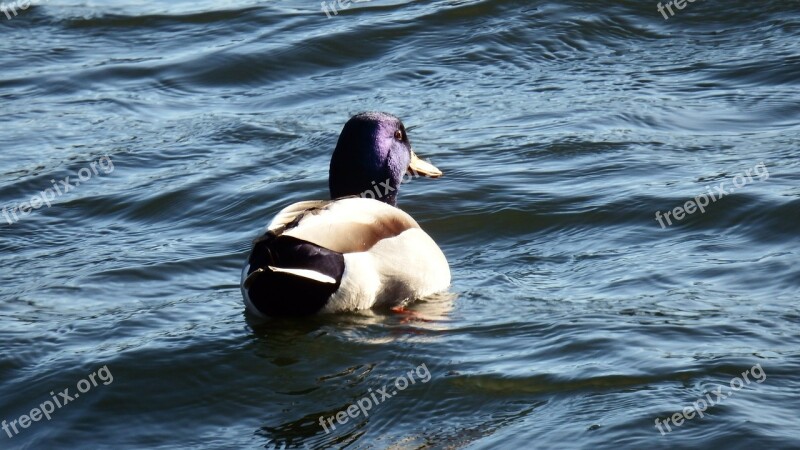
x: 420, y: 167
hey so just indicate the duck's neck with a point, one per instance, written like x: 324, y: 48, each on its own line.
x: 381, y: 187
x: 368, y: 178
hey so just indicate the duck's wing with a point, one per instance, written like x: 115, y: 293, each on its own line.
x: 294, y: 212
x: 346, y: 225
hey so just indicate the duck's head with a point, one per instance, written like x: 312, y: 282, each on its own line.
x: 371, y: 157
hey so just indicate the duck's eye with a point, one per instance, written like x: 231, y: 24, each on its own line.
x: 398, y: 135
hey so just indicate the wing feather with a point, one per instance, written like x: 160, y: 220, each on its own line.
x: 292, y: 212
x: 346, y: 225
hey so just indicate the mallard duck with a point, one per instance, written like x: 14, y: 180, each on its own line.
x: 358, y: 250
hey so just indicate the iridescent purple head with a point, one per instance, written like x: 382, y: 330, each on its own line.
x: 371, y: 157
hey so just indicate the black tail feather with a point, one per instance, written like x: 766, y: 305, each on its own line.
x: 282, y: 294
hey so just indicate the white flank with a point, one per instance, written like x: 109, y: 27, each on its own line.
x: 397, y: 269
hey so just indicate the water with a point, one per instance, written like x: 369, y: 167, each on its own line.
x: 574, y: 320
